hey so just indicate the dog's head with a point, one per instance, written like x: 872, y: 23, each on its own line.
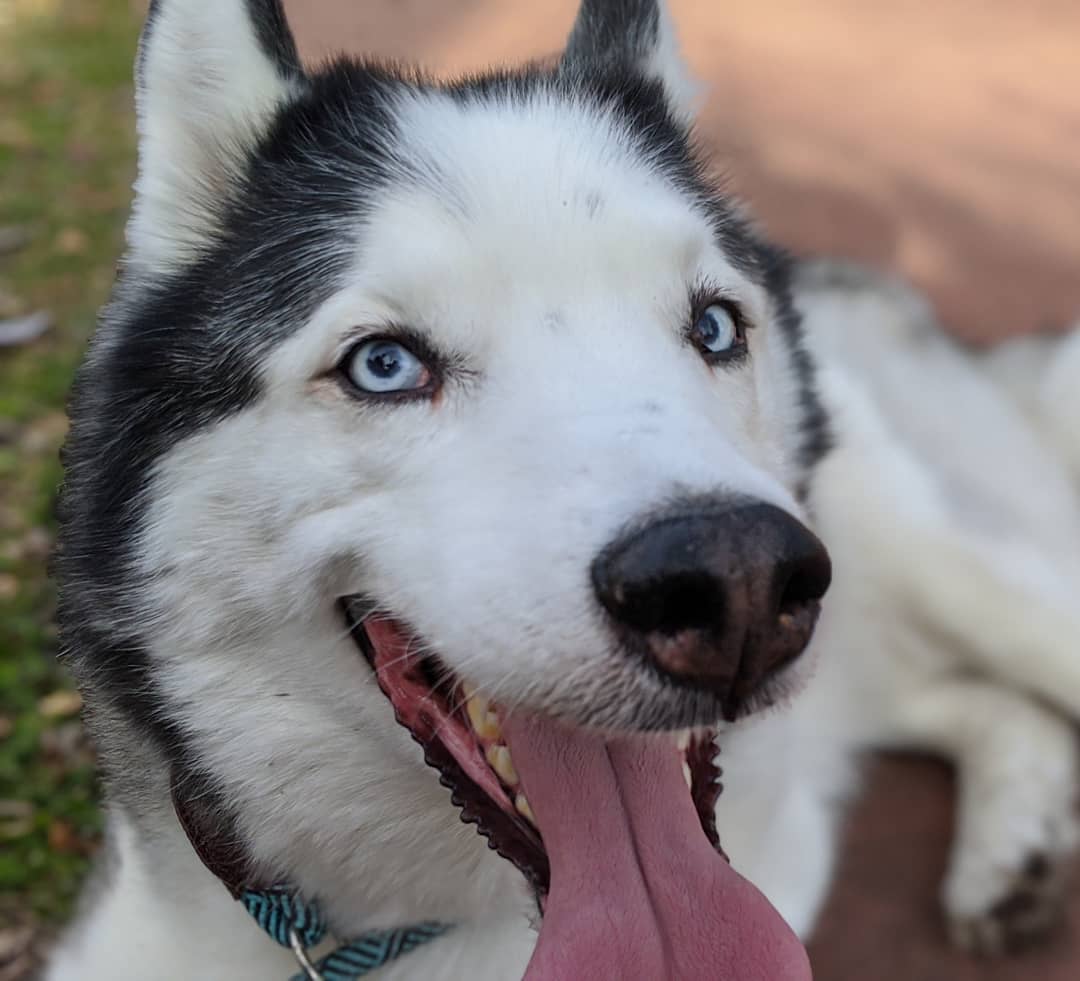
x: 482, y: 380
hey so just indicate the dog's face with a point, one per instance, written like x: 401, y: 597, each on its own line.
x: 486, y: 366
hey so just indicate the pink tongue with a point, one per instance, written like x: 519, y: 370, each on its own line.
x: 636, y: 890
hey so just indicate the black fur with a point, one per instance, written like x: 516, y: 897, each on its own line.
x: 275, y: 38
x: 613, y: 32
x: 173, y: 357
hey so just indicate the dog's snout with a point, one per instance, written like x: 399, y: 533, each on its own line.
x: 718, y: 599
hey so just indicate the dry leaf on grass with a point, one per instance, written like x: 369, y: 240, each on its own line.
x: 60, y: 704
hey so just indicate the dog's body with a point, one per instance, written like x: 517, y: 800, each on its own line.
x: 1040, y: 373
x: 952, y: 622
x: 528, y: 246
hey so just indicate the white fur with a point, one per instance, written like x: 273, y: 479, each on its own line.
x: 1043, y: 374
x: 206, y: 91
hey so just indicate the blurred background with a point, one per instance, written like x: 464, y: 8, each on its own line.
x: 938, y: 138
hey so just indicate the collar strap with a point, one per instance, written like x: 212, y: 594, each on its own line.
x: 301, y: 926
x: 286, y: 918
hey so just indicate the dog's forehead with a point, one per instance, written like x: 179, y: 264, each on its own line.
x: 545, y: 174
x: 546, y: 154
x: 544, y: 198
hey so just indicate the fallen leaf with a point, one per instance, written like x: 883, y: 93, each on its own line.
x: 22, y: 330
x: 9, y: 586
x: 7, y: 726
x: 62, y: 837
x: 71, y: 241
x: 46, y: 432
x: 36, y: 544
x: 60, y: 704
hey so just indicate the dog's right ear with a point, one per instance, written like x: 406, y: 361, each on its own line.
x: 211, y: 74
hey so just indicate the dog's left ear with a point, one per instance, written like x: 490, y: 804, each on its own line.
x: 210, y: 78
x: 634, y: 35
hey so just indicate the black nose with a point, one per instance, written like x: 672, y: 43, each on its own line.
x: 717, y: 597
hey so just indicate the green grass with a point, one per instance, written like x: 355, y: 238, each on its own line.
x: 66, y: 166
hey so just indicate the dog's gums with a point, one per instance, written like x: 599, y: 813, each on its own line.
x: 460, y: 732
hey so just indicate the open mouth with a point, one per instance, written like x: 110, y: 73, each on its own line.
x: 615, y: 834
x: 461, y: 734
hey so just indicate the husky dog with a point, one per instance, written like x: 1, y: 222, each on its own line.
x: 447, y: 452
x: 442, y: 454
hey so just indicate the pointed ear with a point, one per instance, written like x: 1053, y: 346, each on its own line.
x: 635, y: 34
x: 211, y: 74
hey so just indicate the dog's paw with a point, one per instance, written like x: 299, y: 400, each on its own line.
x: 1010, y: 892
x: 1029, y: 906
x: 1017, y: 827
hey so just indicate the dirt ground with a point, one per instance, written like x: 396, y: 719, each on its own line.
x: 939, y: 139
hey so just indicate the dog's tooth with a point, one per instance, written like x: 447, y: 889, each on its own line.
x: 523, y: 808
x: 485, y: 723
x: 687, y: 775
x: 682, y: 741
x: 477, y: 707
x: 499, y: 759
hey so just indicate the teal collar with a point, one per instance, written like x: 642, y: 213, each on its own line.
x: 300, y: 926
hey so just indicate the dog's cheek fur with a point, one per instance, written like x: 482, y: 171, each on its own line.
x: 275, y: 699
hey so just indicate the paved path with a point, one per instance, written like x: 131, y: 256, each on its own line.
x: 942, y: 139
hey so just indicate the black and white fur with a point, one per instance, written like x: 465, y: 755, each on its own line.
x: 539, y: 232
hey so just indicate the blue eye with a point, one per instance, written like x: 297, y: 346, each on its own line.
x: 385, y: 367
x: 716, y: 332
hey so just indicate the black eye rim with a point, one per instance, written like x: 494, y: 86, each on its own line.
x: 416, y: 345
x: 739, y: 349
